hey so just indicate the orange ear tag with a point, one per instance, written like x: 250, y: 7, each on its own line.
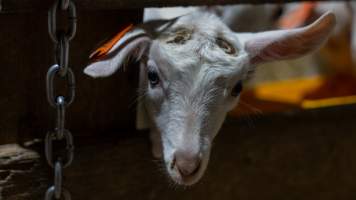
x: 298, y: 16
x: 102, y: 51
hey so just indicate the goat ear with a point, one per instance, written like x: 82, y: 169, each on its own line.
x: 113, y: 54
x: 287, y: 44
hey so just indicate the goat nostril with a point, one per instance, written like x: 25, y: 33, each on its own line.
x: 197, y: 167
x: 183, y: 172
x: 189, y: 170
x: 186, y: 164
x: 173, y: 163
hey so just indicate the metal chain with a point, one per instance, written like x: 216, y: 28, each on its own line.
x: 60, y: 70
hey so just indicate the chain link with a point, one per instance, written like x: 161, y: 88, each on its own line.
x: 64, y: 4
x: 50, y: 137
x: 51, y: 96
x: 58, y: 179
x: 52, y: 21
x: 50, y: 194
x: 62, y: 53
x: 60, y: 70
x: 61, y: 111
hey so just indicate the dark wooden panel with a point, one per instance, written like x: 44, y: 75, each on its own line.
x: 294, y: 156
x: 35, y: 5
x: 26, y: 53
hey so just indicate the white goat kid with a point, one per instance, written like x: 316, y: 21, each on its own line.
x: 192, y: 68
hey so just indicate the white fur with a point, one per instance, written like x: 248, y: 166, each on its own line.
x: 187, y: 108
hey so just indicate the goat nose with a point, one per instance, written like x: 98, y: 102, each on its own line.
x: 187, y: 163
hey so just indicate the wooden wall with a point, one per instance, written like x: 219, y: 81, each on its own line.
x: 26, y: 52
x: 305, y: 155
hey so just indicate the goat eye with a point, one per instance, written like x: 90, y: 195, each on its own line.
x: 237, y: 89
x: 226, y: 46
x: 153, y: 78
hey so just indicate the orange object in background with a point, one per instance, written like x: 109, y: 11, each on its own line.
x: 294, y: 94
x: 297, y: 17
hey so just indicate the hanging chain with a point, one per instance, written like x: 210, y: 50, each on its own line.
x: 60, y: 70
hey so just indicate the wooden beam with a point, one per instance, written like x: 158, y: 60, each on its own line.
x: 308, y: 155
x: 23, y: 171
x: 40, y: 5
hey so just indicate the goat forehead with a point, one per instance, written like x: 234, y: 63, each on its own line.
x: 196, y: 85
x: 187, y: 63
x: 201, y: 21
x: 192, y: 56
x: 201, y: 31
x: 204, y: 24
x: 186, y: 69
x: 198, y: 58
